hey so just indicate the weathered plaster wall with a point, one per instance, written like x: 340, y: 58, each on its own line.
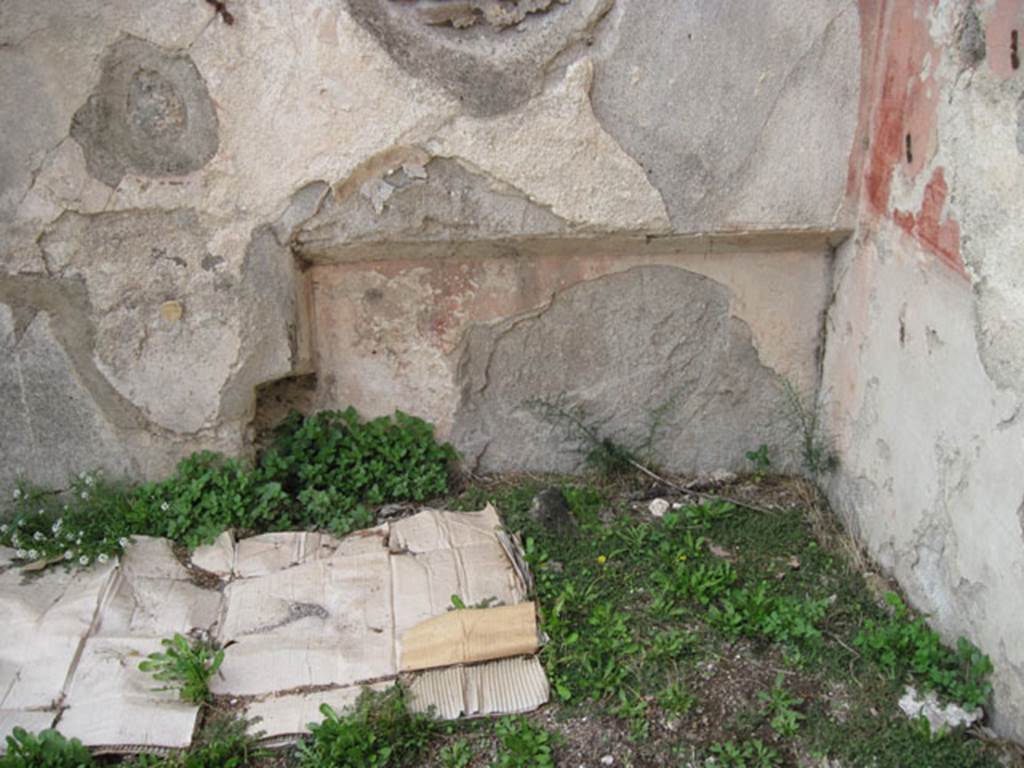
x: 172, y: 189
x: 924, y: 354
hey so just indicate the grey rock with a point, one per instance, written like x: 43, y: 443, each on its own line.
x: 150, y: 114
x: 739, y: 124
x: 50, y: 425
x: 649, y: 358
x: 489, y: 70
x: 551, y: 509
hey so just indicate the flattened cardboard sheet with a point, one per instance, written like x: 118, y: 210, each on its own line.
x: 111, y: 702
x: 298, y: 611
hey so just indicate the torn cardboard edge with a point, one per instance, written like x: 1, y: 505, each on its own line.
x: 501, y: 687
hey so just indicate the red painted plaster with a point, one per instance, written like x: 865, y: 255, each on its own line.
x: 905, y: 103
x: 936, y: 232
x: 900, y: 94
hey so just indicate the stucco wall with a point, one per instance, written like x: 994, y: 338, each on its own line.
x: 181, y: 198
x: 924, y: 350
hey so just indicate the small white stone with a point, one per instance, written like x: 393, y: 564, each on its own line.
x: 658, y: 507
x: 940, y: 718
x: 608, y: 759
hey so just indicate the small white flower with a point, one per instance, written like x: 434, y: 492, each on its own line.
x: 81, y: 475
x: 56, y: 526
x: 40, y: 511
x: 21, y: 554
x: 69, y: 535
x: 17, y: 493
x: 3, y: 528
x: 84, y: 495
x: 15, y: 541
x: 32, y: 554
x: 78, y: 541
x: 83, y: 560
x: 123, y: 541
x: 101, y: 558
x: 164, y: 507
x: 68, y: 554
x: 89, y: 480
x: 38, y: 536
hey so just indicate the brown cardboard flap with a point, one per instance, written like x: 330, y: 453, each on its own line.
x: 470, y: 635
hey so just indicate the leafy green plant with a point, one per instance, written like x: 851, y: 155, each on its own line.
x: 335, y: 464
x: 458, y: 754
x: 207, y: 495
x: 907, y: 647
x: 747, y: 754
x: 322, y: 471
x: 781, y: 708
x: 761, y: 460
x: 523, y: 745
x: 676, y: 698
x: 379, y: 731
x: 187, y: 665
x: 757, y: 613
x: 47, y: 749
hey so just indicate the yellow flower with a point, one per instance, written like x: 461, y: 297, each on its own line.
x: 601, y: 559
x: 682, y: 556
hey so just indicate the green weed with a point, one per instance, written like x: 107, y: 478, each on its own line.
x: 747, y: 754
x: 523, y: 745
x: 761, y: 460
x: 458, y: 754
x: 47, y: 749
x: 867, y: 741
x: 816, y: 450
x: 380, y: 731
x: 186, y: 665
x: 758, y: 613
x: 906, y: 647
x: 781, y: 707
x: 334, y: 464
x: 675, y: 698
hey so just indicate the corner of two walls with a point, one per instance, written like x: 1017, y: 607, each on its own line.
x: 923, y: 378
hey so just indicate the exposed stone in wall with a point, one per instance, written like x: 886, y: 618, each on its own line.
x: 738, y: 124
x: 487, y: 70
x: 53, y: 426
x: 150, y: 115
x: 462, y: 14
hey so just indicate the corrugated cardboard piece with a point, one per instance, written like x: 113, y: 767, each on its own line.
x: 306, y: 618
x: 470, y: 635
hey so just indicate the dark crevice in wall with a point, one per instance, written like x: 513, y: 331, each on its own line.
x: 276, y: 399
